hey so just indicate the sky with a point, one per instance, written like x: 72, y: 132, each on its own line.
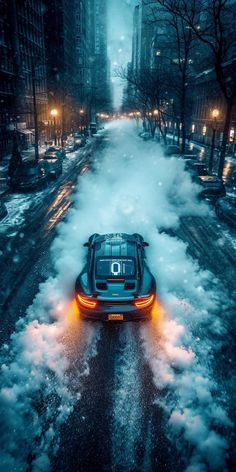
x: 120, y: 19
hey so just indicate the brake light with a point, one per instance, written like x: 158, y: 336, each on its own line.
x: 86, y: 301
x: 144, y: 302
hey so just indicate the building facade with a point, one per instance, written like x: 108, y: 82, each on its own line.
x: 207, y: 96
x: 100, y: 98
x: 53, y: 58
x: 61, y: 63
x: 22, y: 71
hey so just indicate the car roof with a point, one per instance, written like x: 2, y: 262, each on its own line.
x: 115, y: 244
x: 210, y: 179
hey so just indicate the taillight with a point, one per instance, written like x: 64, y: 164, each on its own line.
x: 86, y: 301
x: 144, y: 302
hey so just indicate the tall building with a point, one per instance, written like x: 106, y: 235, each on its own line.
x: 143, y: 34
x: 83, y: 62
x: 22, y: 70
x: 100, y: 66
x: 61, y: 63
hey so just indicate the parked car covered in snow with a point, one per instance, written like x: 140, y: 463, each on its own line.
x: 59, y: 151
x: 196, y: 169
x: 53, y: 165
x: 79, y: 141
x: 212, y: 187
x: 226, y: 209
x: 171, y: 150
x: 30, y: 175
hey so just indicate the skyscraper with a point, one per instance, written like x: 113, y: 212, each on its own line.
x: 100, y: 68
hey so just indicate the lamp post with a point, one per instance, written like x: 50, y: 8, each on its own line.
x: 81, y: 113
x: 215, y: 114
x: 54, y: 113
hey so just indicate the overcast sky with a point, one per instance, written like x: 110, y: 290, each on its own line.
x: 120, y: 19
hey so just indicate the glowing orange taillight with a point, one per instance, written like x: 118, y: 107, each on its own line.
x: 144, y: 302
x: 86, y: 301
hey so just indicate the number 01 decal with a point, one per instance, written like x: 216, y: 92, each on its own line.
x: 115, y: 268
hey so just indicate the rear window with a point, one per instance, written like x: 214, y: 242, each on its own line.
x: 115, y: 267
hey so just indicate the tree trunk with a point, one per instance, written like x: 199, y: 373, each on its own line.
x: 227, y: 123
x: 178, y: 135
x: 182, y: 116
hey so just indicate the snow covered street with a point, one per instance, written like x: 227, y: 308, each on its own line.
x: 128, y: 397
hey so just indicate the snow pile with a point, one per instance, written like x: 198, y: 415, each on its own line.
x: 38, y: 394
x: 132, y: 189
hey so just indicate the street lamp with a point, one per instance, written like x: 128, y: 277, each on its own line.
x: 81, y: 113
x: 54, y: 113
x: 215, y: 115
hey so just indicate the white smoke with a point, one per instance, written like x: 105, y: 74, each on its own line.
x: 133, y: 188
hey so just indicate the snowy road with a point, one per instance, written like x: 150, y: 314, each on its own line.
x: 134, y: 397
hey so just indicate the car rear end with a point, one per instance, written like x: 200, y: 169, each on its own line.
x: 121, y: 288
x: 113, y: 304
x: 212, y: 188
x: 53, y: 164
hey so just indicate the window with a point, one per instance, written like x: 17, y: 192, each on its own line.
x: 115, y: 267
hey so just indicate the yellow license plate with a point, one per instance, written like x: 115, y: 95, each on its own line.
x: 115, y: 317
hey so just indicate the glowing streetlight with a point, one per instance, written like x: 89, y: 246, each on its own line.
x: 155, y: 112
x: 54, y: 113
x: 215, y: 114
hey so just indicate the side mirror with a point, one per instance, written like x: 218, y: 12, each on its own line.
x: 86, y: 244
x: 145, y: 244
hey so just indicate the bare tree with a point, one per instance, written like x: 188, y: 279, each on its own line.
x: 177, y: 45
x: 213, y: 24
x: 148, y: 94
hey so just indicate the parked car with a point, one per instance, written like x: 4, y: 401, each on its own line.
x: 93, y: 128
x: 171, y: 150
x: 226, y: 209
x: 189, y: 155
x: 70, y: 147
x: 29, y: 175
x: 56, y: 149
x: 212, y: 187
x: 115, y: 283
x: 79, y: 141
x: 146, y: 136
x: 86, y: 132
x: 53, y: 165
x: 230, y: 180
x: 196, y: 169
x: 3, y: 210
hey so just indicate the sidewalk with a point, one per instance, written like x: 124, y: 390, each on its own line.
x: 28, y: 154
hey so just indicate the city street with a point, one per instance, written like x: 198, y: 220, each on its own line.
x: 82, y: 396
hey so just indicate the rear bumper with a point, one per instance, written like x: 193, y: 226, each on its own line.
x: 129, y: 312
